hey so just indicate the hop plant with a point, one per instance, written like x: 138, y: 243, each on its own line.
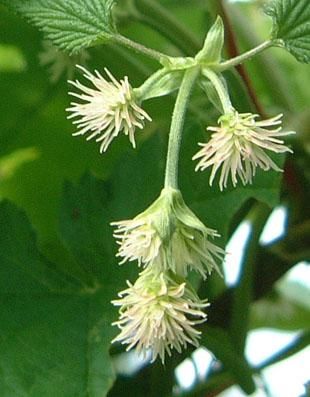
x: 159, y: 314
x: 168, y: 236
x: 238, y: 145
x: 108, y: 109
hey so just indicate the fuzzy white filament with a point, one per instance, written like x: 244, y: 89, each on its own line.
x: 238, y: 146
x: 108, y: 109
x: 159, y: 315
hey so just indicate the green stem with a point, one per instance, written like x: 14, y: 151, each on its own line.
x: 177, y: 123
x: 158, y: 56
x: 220, y: 88
x: 245, y: 56
x: 158, y: 18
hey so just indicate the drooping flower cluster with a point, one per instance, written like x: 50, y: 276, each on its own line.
x: 107, y: 110
x: 238, y: 146
x: 168, y: 236
x: 158, y: 312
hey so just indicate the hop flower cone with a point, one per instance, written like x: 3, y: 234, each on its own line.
x: 238, y: 146
x: 168, y: 236
x: 107, y: 109
x: 158, y: 314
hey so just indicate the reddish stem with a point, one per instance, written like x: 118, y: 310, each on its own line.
x: 233, y: 51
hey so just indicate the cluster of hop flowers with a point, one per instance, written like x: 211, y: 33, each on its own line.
x: 168, y: 236
x: 237, y: 146
x: 160, y: 310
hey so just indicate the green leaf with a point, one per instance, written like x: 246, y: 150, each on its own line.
x: 151, y: 381
x: 286, y: 307
x: 84, y: 226
x: 9, y: 164
x: 55, y: 331
x: 69, y: 24
x: 291, y: 26
x: 22, y: 266
x: 218, y: 341
x: 137, y: 179
x: 87, y: 209
x: 277, y: 311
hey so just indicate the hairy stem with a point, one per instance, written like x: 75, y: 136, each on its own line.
x: 220, y: 88
x: 158, y: 56
x: 245, y: 56
x: 177, y: 123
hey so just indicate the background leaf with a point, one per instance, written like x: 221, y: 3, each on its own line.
x: 69, y: 24
x: 55, y: 331
x: 291, y: 24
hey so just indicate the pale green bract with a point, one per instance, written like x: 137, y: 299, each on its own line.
x: 291, y: 26
x: 213, y: 45
x: 69, y: 24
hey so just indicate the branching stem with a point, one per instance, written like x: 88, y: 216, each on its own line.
x: 245, y: 56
